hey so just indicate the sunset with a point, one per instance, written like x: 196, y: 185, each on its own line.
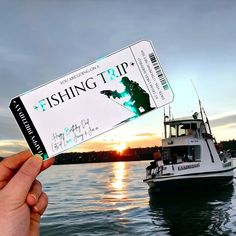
x: 35, y: 59
x: 120, y: 147
x: 131, y: 106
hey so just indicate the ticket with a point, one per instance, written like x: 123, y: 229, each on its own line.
x: 92, y: 100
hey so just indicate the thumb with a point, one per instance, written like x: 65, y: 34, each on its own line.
x: 21, y: 183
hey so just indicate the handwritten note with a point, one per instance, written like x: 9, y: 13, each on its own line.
x: 73, y: 134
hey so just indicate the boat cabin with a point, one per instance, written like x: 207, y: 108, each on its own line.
x: 188, y: 127
x: 179, y: 154
x: 181, y: 141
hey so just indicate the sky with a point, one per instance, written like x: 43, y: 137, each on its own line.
x: 195, y: 41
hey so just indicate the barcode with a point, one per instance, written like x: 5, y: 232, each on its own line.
x: 158, y: 71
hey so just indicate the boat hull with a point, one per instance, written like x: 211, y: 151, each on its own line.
x: 190, y: 182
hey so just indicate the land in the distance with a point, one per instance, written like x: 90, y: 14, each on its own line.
x: 129, y: 154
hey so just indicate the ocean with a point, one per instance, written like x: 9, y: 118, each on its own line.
x: 111, y: 199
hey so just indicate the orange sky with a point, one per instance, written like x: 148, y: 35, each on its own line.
x: 97, y: 144
x: 203, y: 51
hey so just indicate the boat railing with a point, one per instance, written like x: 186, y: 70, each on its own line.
x: 155, y: 168
x: 225, y: 155
x: 207, y: 136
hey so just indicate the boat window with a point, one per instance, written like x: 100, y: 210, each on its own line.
x: 173, y: 131
x: 187, y: 129
x: 182, y: 130
x: 178, y: 130
x: 197, y: 153
x: 179, y: 154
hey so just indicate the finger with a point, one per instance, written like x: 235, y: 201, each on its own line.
x: 47, y: 163
x: 15, y: 161
x: 34, y: 193
x: 9, y: 165
x: 21, y: 182
x: 42, y: 204
x: 34, y: 229
x: 35, y: 214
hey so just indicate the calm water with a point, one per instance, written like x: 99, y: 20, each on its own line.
x: 111, y: 199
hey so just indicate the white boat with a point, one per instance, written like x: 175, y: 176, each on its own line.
x: 191, y: 159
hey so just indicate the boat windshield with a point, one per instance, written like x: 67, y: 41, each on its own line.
x: 179, y: 129
x: 179, y: 154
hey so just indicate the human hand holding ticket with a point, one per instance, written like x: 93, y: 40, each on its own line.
x: 22, y: 199
x: 92, y: 100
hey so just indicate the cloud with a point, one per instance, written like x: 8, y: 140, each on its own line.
x: 223, y: 120
x: 37, y: 46
x: 9, y: 128
x: 146, y: 134
x: 11, y: 146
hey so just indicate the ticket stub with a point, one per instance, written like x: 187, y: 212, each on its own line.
x: 92, y: 100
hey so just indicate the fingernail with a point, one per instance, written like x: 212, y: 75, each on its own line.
x: 38, y: 156
x: 37, y: 159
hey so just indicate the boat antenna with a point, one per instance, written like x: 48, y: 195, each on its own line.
x: 165, y: 119
x: 170, y: 112
x: 199, y: 101
x: 202, y: 110
x: 207, y: 122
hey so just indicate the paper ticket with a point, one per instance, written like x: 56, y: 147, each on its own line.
x: 92, y: 100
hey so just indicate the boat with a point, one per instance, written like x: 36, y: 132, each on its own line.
x: 190, y: 159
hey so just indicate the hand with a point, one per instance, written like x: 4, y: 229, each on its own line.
x: 22, y: 201
x: 108, y: 93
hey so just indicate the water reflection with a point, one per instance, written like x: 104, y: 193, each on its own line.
x: 200, y: 213
x: 116, y: 188
x: 117, y: 182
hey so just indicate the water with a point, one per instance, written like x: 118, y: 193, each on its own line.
x: 111, y: 199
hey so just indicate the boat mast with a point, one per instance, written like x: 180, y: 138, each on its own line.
x: 166, y: 119
x: 207, y: 121
x: 208, y: 124
x: 199, y: 101
x: 164, y: 122
x: 202, y: 110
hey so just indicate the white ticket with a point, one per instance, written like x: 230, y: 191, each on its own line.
x: 92, y: 100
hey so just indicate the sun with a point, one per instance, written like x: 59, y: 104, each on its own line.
x: 120, y: 147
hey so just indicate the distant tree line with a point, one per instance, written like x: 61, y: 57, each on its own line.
x: 130, y: 154
x: 230, y: 144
